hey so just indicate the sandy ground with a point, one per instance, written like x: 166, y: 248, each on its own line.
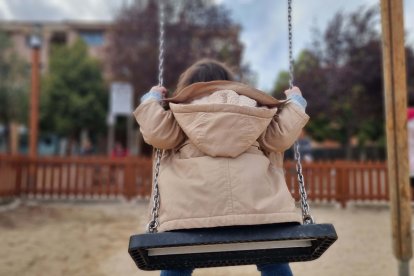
x: 39, y: 238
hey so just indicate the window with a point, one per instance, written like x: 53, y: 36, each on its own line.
x: 92, y: 38
x: 58, y: 38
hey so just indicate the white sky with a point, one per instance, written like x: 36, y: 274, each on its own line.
x: 264, y: 23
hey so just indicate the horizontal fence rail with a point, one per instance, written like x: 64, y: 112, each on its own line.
x: 102, y: 177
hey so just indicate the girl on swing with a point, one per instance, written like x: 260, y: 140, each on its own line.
x: 223, y: 145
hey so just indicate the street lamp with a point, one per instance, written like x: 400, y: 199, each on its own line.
x: 35, y: 45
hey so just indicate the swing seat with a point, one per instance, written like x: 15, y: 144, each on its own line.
x: 228, y: 246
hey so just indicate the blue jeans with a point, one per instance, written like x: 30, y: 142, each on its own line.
x: 266, y: 270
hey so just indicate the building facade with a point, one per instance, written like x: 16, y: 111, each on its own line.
x: 94, y: 34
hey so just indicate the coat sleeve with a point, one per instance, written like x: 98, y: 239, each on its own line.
x: 158, y: 126
x: 284, y: 128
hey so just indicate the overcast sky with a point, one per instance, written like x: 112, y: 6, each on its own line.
x: 264, y: 23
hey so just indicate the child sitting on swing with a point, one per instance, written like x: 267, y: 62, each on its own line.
x: 223, y: 145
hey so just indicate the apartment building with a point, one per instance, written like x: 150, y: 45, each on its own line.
x: 95, y: 35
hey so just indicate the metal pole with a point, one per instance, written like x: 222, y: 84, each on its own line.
x: 130, y: 134
x: 404, y: 268
x: 14, y: 138
x: 34, y: 98
x: 395, y: 91
x: 111, y: 136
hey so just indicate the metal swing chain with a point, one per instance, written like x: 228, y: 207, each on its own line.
x: 306, y: 216
x: 161, y: 22
x: 291, y: 62
x: 153, y: 224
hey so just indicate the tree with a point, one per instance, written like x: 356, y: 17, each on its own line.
x: 14, y: 76
x: 341, y: 76
x: 309, y: 76
x: 74, y: 98
x: 194, y: 29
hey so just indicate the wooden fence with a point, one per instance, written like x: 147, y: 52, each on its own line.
x: 336, y: 181
x: 341, y: 181
x: 75, y: 177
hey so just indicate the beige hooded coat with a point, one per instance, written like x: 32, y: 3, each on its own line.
x: 223, y: 162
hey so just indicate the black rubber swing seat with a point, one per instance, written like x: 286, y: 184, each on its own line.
x: 228, y: 246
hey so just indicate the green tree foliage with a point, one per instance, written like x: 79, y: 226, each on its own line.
x: 14, y: 84
x: 341, y: 77
x: 74, y: 97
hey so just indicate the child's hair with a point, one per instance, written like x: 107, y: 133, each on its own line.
x: 204, y: 70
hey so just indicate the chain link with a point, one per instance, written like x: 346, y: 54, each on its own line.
x: 161, y: 17
x: 307, y: 218
x: 291, y: 62
x: 153, y: 224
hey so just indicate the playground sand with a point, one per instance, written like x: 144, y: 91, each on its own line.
x: 39, y: 238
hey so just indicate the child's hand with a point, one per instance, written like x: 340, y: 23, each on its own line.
x: 294, y: 91
x: 160, y: 90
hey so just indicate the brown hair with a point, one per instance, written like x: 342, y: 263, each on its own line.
x: 204, y: 70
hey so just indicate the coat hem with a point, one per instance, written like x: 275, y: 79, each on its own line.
x: 230, y: 220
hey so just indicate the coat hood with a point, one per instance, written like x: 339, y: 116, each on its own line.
x: 201, y: 89
x: 222, y: 129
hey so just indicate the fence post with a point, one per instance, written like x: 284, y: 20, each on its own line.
x: 147, y: 180
x: 338, y: 184
x: 341, y: 184
x: 18, y: 180
x: 345, y: 184
x: 129, y: 185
